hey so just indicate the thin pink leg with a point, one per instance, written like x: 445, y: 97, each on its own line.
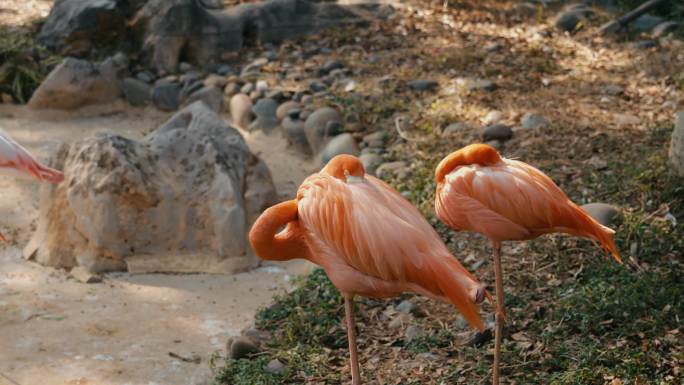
x: 351, y: 333
x: 500, y: 311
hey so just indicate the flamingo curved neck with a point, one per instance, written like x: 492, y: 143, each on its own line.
x: 272, y: 244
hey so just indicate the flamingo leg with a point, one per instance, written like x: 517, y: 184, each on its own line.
x: 500, y: 310
x: 351, y: 334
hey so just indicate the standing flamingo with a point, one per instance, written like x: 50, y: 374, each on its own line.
x: 16, y: 161
x: 369, y: 240
x: 504, y: 199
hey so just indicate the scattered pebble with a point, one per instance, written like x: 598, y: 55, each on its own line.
x: 497, y: 132
x: 241, y: 347
x: 422, y: 85
x: 532, y: 121
x: 604, y: 213
x: 82, y: 275
x: 413, y: 332
x: 275, y: 367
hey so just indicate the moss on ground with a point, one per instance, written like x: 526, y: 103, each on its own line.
x: 607, y: 322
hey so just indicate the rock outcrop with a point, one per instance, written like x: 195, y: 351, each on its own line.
x: 199, y: 30
x: 75, y: 83
x: 180, y: 200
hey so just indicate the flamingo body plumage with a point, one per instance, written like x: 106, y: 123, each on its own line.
x: 368, y: 238
x: 505, y: 199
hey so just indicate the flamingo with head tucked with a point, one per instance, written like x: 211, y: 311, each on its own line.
x: 16, y: 161
x: 505, y: 199
x: 369, y: 240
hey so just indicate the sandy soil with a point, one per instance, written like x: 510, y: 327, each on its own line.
x: 124, y: 331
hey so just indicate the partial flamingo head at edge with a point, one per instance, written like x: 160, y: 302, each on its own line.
x: 345, y: 167
x: 482, y: 154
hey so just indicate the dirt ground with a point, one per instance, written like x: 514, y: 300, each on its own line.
x: 128, y: 329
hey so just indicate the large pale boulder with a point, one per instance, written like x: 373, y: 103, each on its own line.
x: 677, y: 145
x: 75, y: 83
x: 180, y: 200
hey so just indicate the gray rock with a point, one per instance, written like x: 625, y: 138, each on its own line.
x: 265, y: 112
x: 531, y: 121
x: 127, y: 204
x: 603, y: 213
x: 296, y: 135
x: 255, y: 66
x: 275, y: 367
x: 341, y: 144
x: 422, y: 85
x: 306, y: 99
x: 375, y: 139
x: 75, y: 27
x: 75, y: 83
x: 166, y: 96
x: 317, y: 86
x: 317, y: 126
x: 231, y: 89
x: 84, y: 276
x: 241, y: 110
x: 190, y: 77
x: 217, y: 81
x: 646, y: 22
x: 676, y: 152
x: 493, y: 46
x: 413, y: 332
x: 247, y: 88
x: 211, y: 96
x: 371, y: 162
x: 567, y: 21
x: 399, y: 320
x: 493, y: 117
x: 136, y: 92
x: 261, y: 85
x: 329, y: 66
x: 166, y: 80
x: 497, y: 132
x: 613, y: 90
x: 645, y: 44
x: 185, y: 67
x: 497, y: 144
x: 406, y: 307
x: 482, y: 84
x: 223, y: 70
x: 455, y: 129
x: 283, y: 109
x: 256, y: 95
x: 241, y: 347
x: 145, y: 76
x: 276, y: 95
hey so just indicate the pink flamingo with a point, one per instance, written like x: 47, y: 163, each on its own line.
x: 504, y: 199
x: 16, y: 161
x: 369, y: 240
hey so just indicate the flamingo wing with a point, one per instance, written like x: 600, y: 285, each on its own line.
x: 15, y: 157
x: 369, y: 227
